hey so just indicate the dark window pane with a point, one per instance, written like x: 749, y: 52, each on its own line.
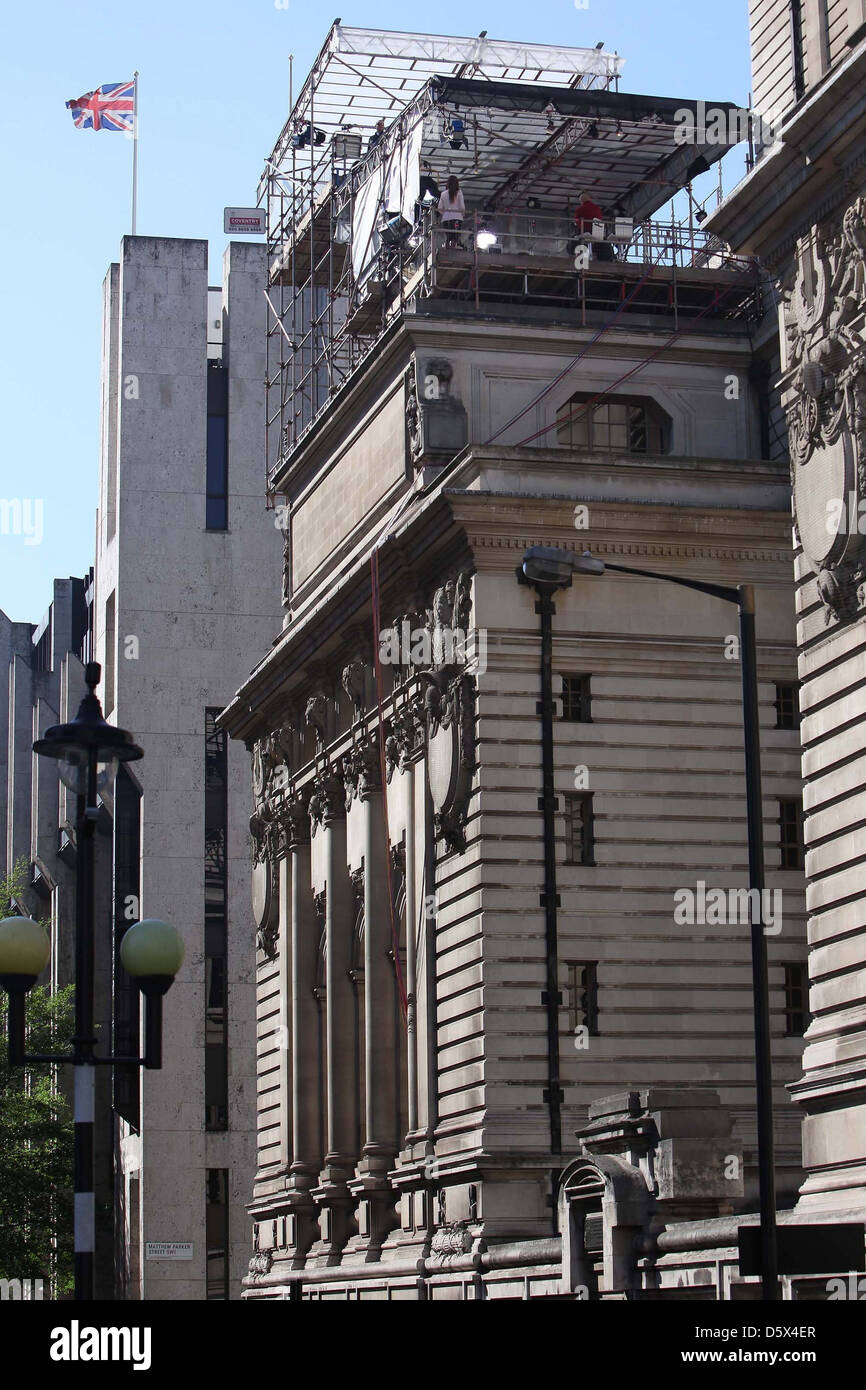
x: 217, y: 459
x: 216, y: 514
x: 583, y: 996
x: 612, y: 425
x: 217, y: 1232
x: 796, y: 996
x: 579, y: 829
x: 576, y: 699
x: 787, y: 705
x: 791, y: 832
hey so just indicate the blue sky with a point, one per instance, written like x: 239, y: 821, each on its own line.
x: 213, y: 97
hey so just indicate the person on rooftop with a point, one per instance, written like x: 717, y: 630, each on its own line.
x: 586, y: 212
x: 452, y: 210
x: 376, y: 136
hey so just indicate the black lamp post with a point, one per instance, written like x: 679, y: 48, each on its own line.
x: 88, y: 751
x: 549, y: 568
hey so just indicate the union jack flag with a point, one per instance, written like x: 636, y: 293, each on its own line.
x: 110, y: 107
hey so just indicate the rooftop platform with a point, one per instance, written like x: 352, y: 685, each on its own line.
x: 528, y: 130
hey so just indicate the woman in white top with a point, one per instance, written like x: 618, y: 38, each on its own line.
x: 452, y: 210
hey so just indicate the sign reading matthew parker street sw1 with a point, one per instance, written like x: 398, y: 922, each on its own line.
x: 168, y: 1250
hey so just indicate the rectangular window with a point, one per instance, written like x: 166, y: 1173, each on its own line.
x: 217, y: 1233
x: 613, y: 425
x: 576, y: 699
x: 791, y: 832
x: 126, y: 890
x: 579, y: 829
x: 799, y: 66
x: 787, y: 705
x: 217, y: 485
x: 583, y: 996
x: 796, y: 999
x: 215, y: 924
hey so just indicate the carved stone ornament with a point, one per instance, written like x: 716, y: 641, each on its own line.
x: 361, y: 773
x: 287, y: 568
x: 272, y: 763
x: 824, y: 392
x: 453, y: 1239
x: 266, y: 908
x: 449, y: 708
x: 354, y: 681
x: 260, y: 1263
x: 413, y: 416
x: 316, y: 714
x: 327, y: 802
x: 405, y: 739
x: 436, y: 422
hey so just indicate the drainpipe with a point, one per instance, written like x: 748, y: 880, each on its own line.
x: 545, y: 584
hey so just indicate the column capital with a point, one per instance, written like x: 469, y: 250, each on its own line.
x: 328, y: 800
x: 294, y: 818
x: 361, y: 772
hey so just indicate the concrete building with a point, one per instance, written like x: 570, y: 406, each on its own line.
x: 802, y: 210
x: 185, y: 555
x: 433, y: 1031
x: 42, y: 669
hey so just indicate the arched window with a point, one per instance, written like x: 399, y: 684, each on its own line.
x: 612, y: 424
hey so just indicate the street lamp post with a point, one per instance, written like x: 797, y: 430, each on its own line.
x: 545, y: 565
x: 88, y: 751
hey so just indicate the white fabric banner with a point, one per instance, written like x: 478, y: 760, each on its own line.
x: 393, y: 188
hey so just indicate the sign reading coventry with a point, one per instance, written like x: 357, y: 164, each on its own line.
x: 244, y: 221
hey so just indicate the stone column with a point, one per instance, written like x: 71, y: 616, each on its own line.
x: 328, y: 814
x: 302, y: 1012
x: 376, y: 1211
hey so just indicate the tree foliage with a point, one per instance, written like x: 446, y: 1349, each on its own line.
x: 36, y: 1135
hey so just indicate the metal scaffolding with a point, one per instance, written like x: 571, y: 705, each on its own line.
x: 351, y: 185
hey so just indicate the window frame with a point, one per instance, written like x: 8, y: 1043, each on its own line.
x: 792, y: 854
x: 580, y: 699
x: 586, y: 858
x: 655, y: 419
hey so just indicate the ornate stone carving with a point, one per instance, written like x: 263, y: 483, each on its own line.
x: 361, y: 772
x: 436, y: 421
x: 260, y: 1263
x: 413, y: 415
x: 287, y: 568
x: 453, y: 1239
x: 295, y: 822
x: 327, y: 802
x: 316, y: 714
x: 271, y: 763
x: 354, y: 681
x: 405, y: 738
x: 449, y: 707
x: 264, y: 836
x: 825, y: 402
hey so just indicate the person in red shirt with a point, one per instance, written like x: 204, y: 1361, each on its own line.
x: 586, y: 213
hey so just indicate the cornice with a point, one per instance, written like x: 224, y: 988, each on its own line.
x: 493, y: 544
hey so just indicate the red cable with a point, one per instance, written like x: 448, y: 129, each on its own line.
x: 582, y: 409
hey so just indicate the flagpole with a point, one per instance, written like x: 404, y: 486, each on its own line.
x: 134, y: 146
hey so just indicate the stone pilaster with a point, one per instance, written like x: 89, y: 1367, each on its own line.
x: 376, y: 1210
x: 328, y: 817
x: 304, y: 1024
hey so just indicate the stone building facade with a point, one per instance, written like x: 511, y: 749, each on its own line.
x: 410, y: 1141
x: 183, y: 596
x: 802, y: 210
x: 42, y: 674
